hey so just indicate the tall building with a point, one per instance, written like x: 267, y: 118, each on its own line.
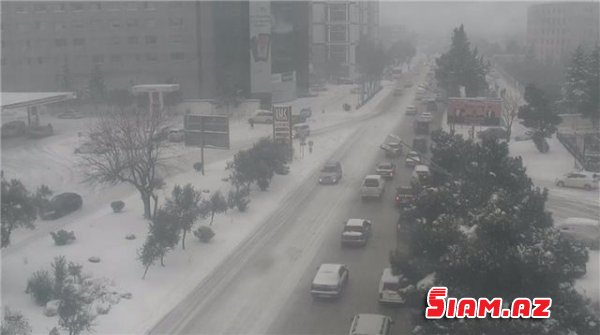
x: 337, y: 27
x: 555, y: 29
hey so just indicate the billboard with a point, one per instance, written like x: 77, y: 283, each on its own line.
x: 282, y: 124
x: 260, y: 46
x: 475, y: 111
x: 206, y: 131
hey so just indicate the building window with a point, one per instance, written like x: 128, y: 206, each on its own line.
x: 98, y: 59
x: 177, y: 55
x: 76, y: 24
x: 338, y: 53
x: 131, y: 23
x: 175, y: 4
x: 131, y: 6
x: 115, y: 40
x: 115, y: 23
x: 40, y: 60
x: 147, y: 5
x: 39, y: 7
x: 150, y: 23
x: 337, y: 33
x: 3, y: 60
x: 112, y: 6
x: 138, y: 57
x: 177, y: 38
x: 20, y: 9
x: 77, y: 6
x: 132, y: 40
x: 151, y: 57
x: 115, y: 58
x: 337, y: 12
x: 60, y: 42
x: 175, y: 22
x: 150, y: 39
x: 21, y: 27
x: 78, y: 41
x: 60, y: 26
x: 96, y: 5
x: 60, y: 7
x: 37, y: 25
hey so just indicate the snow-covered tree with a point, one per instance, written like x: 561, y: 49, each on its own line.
x: 510, y: 110
x: 581, y: 87
x: 14, y: 323
x: 538, y: 113
x: 216, y: 204
x: 18, y: 209
x: 73, y: 312
x: 164, y: 231
x: 184, y: 208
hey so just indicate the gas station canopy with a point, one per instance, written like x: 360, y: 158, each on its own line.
x: 11, y: 100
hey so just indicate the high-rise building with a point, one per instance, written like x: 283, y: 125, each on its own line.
x: 337, y: 27
x: 555, y: 29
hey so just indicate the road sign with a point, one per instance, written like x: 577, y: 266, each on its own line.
x: 206, y: 131
x: 282, y: 124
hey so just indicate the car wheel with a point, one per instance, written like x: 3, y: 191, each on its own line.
x: 560, y: 184
x: 587, y: 187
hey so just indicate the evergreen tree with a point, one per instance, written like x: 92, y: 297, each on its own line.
x: 14, y: 323
x: 149, y: 253
x: 165, y: 232
x: 216, y: 204
x: 73, y: 312
x: 184, y: 208
x: 538, y: 113
x: 576, y: 80
x: 18, y: 209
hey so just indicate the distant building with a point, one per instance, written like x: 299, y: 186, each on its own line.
x: 555, y: 29
x: 336, y: 29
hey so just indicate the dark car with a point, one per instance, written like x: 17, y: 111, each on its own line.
x: 331, y: 173
x: 298, y: 118
x: 61, y: 205
x: 14, y: 129
x: 404, y: 196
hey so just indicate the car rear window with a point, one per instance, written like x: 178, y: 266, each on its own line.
x: 329, y: 169
x: 371, y: 182
x: 385, y: 166
x: 388, y: 286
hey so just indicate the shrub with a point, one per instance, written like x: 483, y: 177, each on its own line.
x: 60, y: 269
x: 117, y: 206
x: 14, y: 323
x: 238, y: 199
x: 63, y: 237
x: 198, y: 166
x: 204, y: 233
x: 263, y: 184
x: 40, y: 286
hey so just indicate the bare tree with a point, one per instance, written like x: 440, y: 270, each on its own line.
x: 510, y: 110
x: 128, y: 149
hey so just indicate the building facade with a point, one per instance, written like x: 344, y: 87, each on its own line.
x: 554, y: 30
x: 337, y: 27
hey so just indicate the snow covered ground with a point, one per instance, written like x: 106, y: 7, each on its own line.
x: 102, y: 233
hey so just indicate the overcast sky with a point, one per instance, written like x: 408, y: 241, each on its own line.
x: 486, y: 18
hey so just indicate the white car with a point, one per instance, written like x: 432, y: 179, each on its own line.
x: 580, y: 179
x: 330, y: 281
x: 425, y: 117
x: 373, y: 186
x: 421, y: 174
x: 262, y: 116
x: 356, y: 232
x: 371, y: 324
x: 411, y: 110
x: 581, y: 229
x: 413, y: 159
x: 389, y: 284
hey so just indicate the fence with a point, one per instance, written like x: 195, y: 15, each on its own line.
x: 569, y: 141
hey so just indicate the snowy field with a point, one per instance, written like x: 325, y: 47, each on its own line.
x: 101, y: 233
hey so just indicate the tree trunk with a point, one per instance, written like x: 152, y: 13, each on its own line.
x: 147, y: 206
x: 155, y: 198
x: 145, y: 271
x: 162, y: 258
x: 212, y: 216
x: 183, y: 239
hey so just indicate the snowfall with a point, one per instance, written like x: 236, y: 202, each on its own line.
x: 101, y: 233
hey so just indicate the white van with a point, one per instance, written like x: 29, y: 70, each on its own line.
x: 301, y: 130
x: 388, y: 288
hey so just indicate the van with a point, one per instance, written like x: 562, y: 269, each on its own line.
x: 371, y: 324
x: 301, y: 130
x: 389, y: 284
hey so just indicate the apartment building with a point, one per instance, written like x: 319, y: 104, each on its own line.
x: 336, y: 29
x: 555, y: 29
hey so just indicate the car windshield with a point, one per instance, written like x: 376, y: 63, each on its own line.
x: 385, y: 166
x: 353, y: 228
x: 389, y: 286
x: 371, y: 182
x: 329, y: 169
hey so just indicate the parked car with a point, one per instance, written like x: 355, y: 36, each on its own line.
x: 61, y: 205
x: 373, y: 186
x: 331, y: 173
x: 296, y: 118
x: 90, y: 148
x: 371, y: 324
x: 492, y: 133
x: 404, y: 196
x: 330, y: 281
x: 425, y: 117
x: 583, y: 230
x: 306, y: 112
x: 40, y: 131
x: 356, y: 232
x: 386, y: 169
x: 392, y: 149
x: 579, y: 179
x: 411, y: 110
x: 14, y: 129
x: 421, y: 174
x: 389, y: 284
x: 301, y: 130
x: 413, y: 159
x: 261, y: 116
x: 69, y: 114
x: 176, y: 135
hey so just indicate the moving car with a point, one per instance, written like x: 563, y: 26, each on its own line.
x: 296, y: 118
x: 386, y: 169
x: 69, y: 114
x: 306, y: 112
x: 261, y: 116
x: 61, y: 205
x: 373, y: 186
x: 330, y: 281
x: 331, y: 173
x: 579, y: 179
x: 392, y: 149
x: 583, y: 230
x: 421, y: 174
x: 356, y: 232
x: 371, y: 324
x: 389, y: 284
x: 404, y: 196
x: 301, y: 130
x: 411, y: 110
x: 413, y: 159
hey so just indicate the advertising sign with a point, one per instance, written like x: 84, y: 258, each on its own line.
x: 260, y: 46
x: 206, y: 131
x: 282, y: 124
x: 475, y: 111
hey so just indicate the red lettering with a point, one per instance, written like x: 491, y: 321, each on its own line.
x: 451, y: 310
x: 436, y: 303
x: 521, y: 307
x: 489, y: 306
x: 542, y: 308
x: 467, y: 307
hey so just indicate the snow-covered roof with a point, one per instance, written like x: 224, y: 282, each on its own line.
x: 367, y: 323
x: 328, y: 274
x: 11, y: 100
x: 388, y: 276
x: 355, y: 222
x: 580, y: 221
x: 373, y: 176
x: 155, y: 88
x: 422, y: 168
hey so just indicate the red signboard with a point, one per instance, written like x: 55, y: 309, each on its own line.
x: 477, y: 111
